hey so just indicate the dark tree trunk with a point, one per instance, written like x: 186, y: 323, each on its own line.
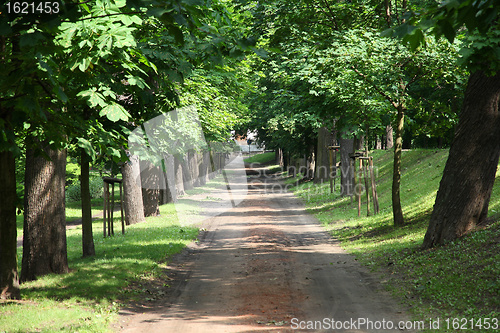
x: 150, y: 180
x: 278, y: 157
x: 87, y: 235
x: 397, y: 210
x: 465, y: 189
x: 205, y: 167
x: 179, y: 178
x: 194, y: 169
x: 44, y: 245
x: 132, y: 193
x: 323, y: 158
x: 389, y: 138
x: 346, y: 171
x: 186, y: 172
x: 9, y: 278
x: 310, y: 160
x: 168, y: 192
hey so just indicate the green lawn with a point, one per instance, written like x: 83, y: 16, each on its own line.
x: 459, y: 280
x: 86, y: 299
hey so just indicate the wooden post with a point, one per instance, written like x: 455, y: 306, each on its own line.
x: 121, y: 208
x: 335, y: 166
x: 105, y: 185
x: 109, y: 205
x: 376, y: 207
x: 330, y: 163
x: 112, y: 229
x: 359, y: 182
x: 365, y: 174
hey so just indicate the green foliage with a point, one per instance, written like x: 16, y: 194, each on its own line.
x: 73, y: 191
x: 475, y: 22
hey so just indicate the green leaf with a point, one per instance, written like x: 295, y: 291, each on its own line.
x: 87, y: 146
x: 115, y: 112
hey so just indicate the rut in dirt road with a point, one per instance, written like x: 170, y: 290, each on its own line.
x: 267, y: 265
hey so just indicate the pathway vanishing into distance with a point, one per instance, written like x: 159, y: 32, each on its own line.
x: 265, y: 265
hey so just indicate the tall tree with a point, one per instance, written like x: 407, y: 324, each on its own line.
x: 465, y: 189
x: 132, y: 195
x: 9, y: 277
x: 88, y: 248
x: 44, y: 241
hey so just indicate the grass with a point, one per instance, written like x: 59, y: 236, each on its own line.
x: 458, y: 280
x: 261, y: 158
x: 86, y: 299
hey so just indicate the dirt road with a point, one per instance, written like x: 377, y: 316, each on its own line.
x: 265, y: 265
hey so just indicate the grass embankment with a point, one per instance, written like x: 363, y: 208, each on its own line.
x: 87, y: 298
x: 458, y: 280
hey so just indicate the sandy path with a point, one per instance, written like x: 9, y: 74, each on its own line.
x: 265, y: 265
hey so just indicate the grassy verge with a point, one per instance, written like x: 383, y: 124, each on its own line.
x: 262, y: 158
x: 85, y: 300
x: 458, y: 280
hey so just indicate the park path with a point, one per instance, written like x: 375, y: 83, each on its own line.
x: 265, y: 265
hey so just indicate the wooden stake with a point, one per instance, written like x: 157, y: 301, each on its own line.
x: 121, y: 208
x: 112, y: 229
x: 365, y: 174
x: 376, y: 207
x: 104, y: 208
x: 330, y: 161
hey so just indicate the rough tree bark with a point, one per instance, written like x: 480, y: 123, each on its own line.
x: 168, y: 192
x: 397, y: 210
x: 150, y: 180
x: 44, y: 244
x: 87, y: 235
x: 179, y: 178
x: 347, y: 173
x: 323, y: 158
x: 186, y: 172
x: 389, y: 137
x: 465, y: 189
x: 132, y: 194
x: 9, y: 278
x: 205, y: 167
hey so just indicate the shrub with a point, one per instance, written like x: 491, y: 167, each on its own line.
x: 73, y: 192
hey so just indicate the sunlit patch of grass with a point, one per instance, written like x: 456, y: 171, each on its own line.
x: 461, y: 279
x: 260, y: 158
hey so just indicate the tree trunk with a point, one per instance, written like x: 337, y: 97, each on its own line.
x: 465, y: 189
x: 167, y: 192
x: 347, y: 173
x: 179, y: 178
x: 150, y: 180
x: 310, y: 160
x: 9, y: 278
x: 44, y: 245
x: 397, y: 211
x: 87, y: 235
x: 323, y: 158
x: 193, y: 167
x: 187, y: 177
x: 205, y: 167
x: 389, y: 138
x: 132, y: 193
